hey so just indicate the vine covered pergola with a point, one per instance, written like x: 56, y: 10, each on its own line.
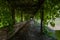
x: 25, y: 9
x: 29, y: 6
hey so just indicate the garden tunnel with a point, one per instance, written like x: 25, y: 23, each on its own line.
x: 26, y: 9
x: 30, y: 7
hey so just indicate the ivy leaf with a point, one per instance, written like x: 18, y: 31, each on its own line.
x: 52, y: 24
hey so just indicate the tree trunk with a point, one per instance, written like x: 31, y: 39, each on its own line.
x: 13, y: 14
x: 42, y: 18
x: 21, y: 16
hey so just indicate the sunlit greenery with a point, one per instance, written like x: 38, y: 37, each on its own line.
x: 5, y: 15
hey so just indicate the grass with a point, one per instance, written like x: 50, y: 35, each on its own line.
x: 57, y: 34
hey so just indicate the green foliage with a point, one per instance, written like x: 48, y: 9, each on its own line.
x: 57, y: 33
x: 52, y: 24
x: 5, y: 15
x: 47, y: 31
x: 51, y: 11
x: 37, y: 15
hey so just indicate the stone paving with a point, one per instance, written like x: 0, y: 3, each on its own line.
x: 30, y: 32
